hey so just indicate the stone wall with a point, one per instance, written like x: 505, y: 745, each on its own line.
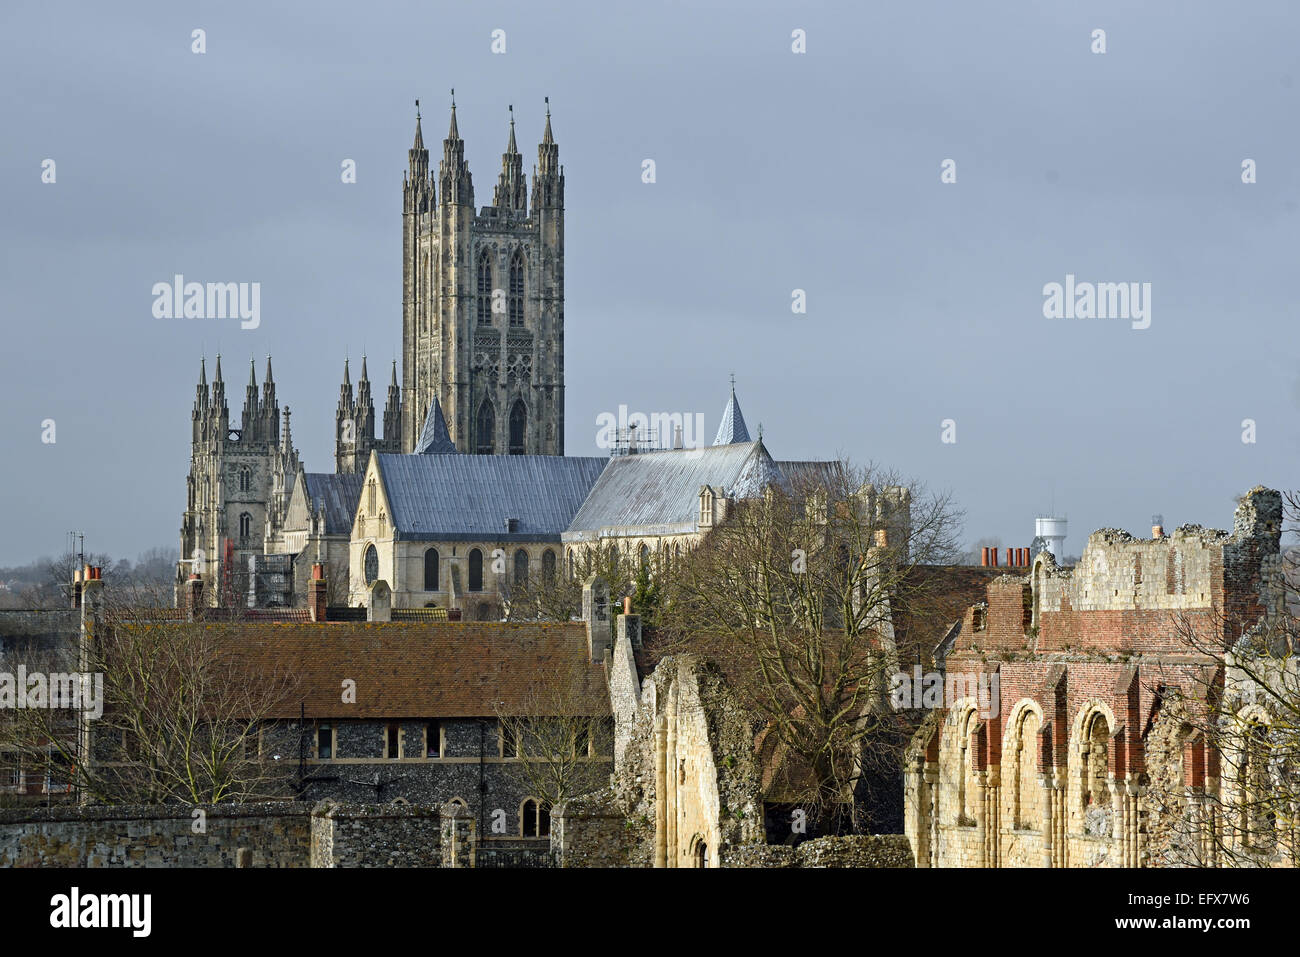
x: 592, y: 831
x: 385, y: 835
x: 856, y: 850
x: 286, y: 834
x: 272, y: 835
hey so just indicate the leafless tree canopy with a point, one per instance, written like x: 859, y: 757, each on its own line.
x: 181, y: 722
x: 795, y: 595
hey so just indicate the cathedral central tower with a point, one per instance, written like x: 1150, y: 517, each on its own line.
x: 483, y: 300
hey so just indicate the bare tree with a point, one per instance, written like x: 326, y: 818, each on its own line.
x: 558, y: 597
x: 794, y: 594
x: 182, y: 714
x: 564, y: 745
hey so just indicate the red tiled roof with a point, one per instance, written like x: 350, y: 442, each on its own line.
x: 420, y: 669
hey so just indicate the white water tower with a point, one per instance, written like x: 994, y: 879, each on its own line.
x: 1049, y: 533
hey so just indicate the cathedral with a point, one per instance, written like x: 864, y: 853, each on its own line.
x: 482, y: 351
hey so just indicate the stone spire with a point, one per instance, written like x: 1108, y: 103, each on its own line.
x: 201, y: 393
x: 365, y: 408
x: 435, y: 439
x: 270, y: 408
x: 453, y: 173
x: 417, y: 186
x: 512, y: 190
x: 393, y: 415
x: 548, y: 175
x: 250, y: 427
x: 732, y: 429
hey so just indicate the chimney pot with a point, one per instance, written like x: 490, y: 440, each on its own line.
x: 627, y: 604
x: 993, y: 558
x: 1157, y: 531
x: 984, y: 557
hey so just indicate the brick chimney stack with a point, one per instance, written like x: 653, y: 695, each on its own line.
x: 316, y: 593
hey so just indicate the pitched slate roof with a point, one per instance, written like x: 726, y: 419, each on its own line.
x: 732, y: 429
x: 469, y: 497
x: 658, y: 492
x: 421, y: 670
x: 338, y: 495
x: 435, y: 438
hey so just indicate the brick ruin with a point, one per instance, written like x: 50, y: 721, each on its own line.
x: 1093, y: 749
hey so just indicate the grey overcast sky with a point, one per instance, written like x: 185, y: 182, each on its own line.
x: 775, y: 171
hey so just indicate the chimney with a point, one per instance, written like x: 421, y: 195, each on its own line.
x: 993, y: 557
x: 316, y: 593
x: 1011, y: 561
x: 1157, y: 526
x: 984, y: 557
x: 628, y: 626
x: 194, y: 598
x: 1024, y: 557
x: 76, y: 588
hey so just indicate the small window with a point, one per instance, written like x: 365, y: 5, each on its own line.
x: 534, y: 820
x: 10, y: 770
x: 393, y: 742
x: 509, y: 742
x: 325, y: 742
x: 433, y: 740
x: 245, y: 480
x: 245, y: 525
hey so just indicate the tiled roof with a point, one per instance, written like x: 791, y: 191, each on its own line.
x: 422, y: 670
x: 470, y: 497
x: 338, y: 495
x: 659, y: 492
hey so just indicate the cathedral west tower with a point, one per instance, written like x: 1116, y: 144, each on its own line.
x: 483, y: 300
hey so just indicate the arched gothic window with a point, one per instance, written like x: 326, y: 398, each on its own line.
x: 548, y: 565
x: 518, y: 422
x: 483, y: 302
x: 371, y: 565
x: 534, y: 820
x: 521, y: 567
x: 475, y: 570
x: 486, y: 428
x: 245, y: 479
x: 517, y: 289
x: 245, y: 525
